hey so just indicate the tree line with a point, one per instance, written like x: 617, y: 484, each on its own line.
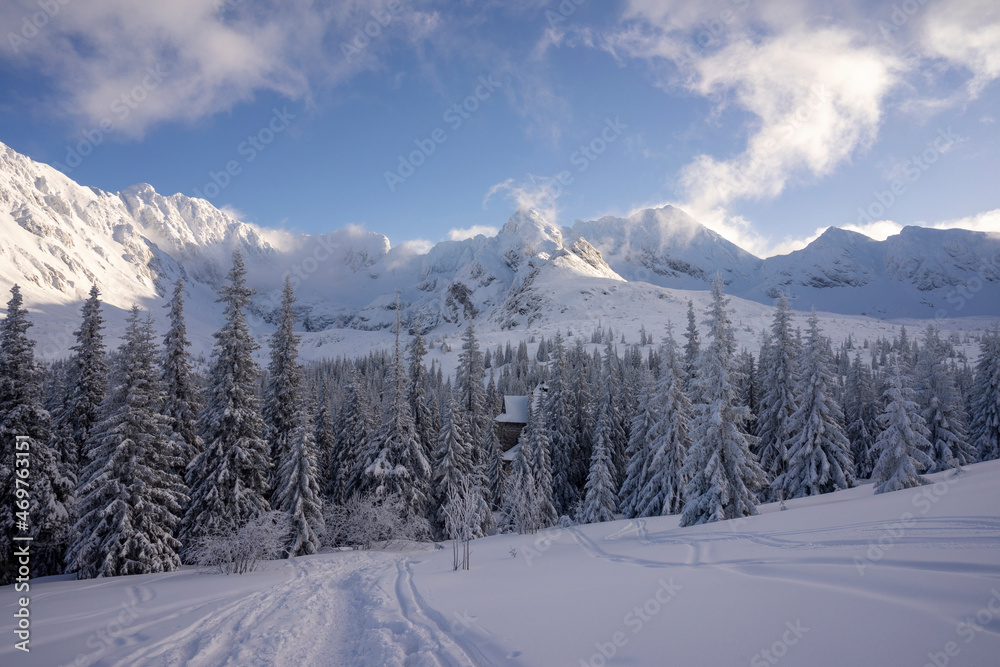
x: 139, y: 455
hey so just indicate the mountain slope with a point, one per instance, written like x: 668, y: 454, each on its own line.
x: 57, y: 238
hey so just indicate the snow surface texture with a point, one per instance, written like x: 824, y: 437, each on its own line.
x: 847, y: 578
x: 58, y: 237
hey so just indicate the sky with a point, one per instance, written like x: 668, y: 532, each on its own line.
x: 433, y: 120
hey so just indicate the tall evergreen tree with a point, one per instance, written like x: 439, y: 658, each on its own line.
x: 561, y: 434
x: 283, y: 393
x: 228, y: 480
x: 861, y: 411
x: 453, y: 464
x: 469, y: 385
x: 395, y: 462
x: 88, y: 379
x: 941, y: 406
x: 534, y: 439
x: 722, y: 471
x: 692, y: 348
x: 131, y: 500
x: 902, y: 445
x: 819, y: 454
x: 600, y: 500
x: 423, y: 421
x: 496, y: 472
x: 45, y: 516
x: 985, y: 410
x: 640, y: 448
x: 181, y: 404
x: 779, y: 381
x: 669, y: 439
x: 293, y: 444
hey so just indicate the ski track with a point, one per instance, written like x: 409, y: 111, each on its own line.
x: 292, y: 623
x: 982, y: 533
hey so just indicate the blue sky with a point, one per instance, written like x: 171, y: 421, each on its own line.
x: 767, y: 121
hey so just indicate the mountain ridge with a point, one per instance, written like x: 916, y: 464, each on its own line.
x: 57, y: 237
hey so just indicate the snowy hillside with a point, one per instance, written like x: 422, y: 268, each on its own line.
x: 58, y: 237
x: 848, y: 578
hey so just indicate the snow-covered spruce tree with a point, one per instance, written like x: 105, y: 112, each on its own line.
x: 639, y: 451
x: 558, y: 411
x: 861, y: 411
x: 423, y: 421
x: 985, y: 410
x: 941, y: 406
x: 779, y: 379
x: 819, y: 454
x: 496, y: 473
x: 669, y: 439
x: 298, y: 493
x: 469, y: 386
x: 723, y: 472
x: 296, y: 482
x: 535, y: 439
x: 283, y: 393
x: 902, y: 446
x: 394, y: 462
x: 131, y: 498
x: 612, y: 396
x: 692, y: 348
x: 44, y: 512
x: 583, y: 416
x: 453, y: 464
x: 354, y: 437
x: 325, y: 439
x: 181, y: 403
x: 228, y: 480
x: 600, y: 499
x: 520, y: 496
x: 88, y: 380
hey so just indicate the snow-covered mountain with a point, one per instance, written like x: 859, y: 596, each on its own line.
x: 57, y: 238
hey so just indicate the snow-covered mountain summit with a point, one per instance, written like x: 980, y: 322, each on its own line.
x: 58, y: 237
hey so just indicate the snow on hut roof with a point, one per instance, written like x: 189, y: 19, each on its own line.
x: 515, y: 410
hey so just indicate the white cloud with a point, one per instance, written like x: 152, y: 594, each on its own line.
x: 965, y: 33
x: 139, y: 64
x: 537, y: 192
x: 415, y: 247
x: 988, y: 221
x: 471, y: 232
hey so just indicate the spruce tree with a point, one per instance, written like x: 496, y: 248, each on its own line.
x: 861, y: 410
x: 941, y: 406
x: 669, y: 440
x: 394, y: 463
x: 535, y: 438
x: 599, y: 500
x: 44, y: 514
x: 131, y: 499
x: 819, y: 454
x: 692, y: 348
x: 228, y: 480
x: 558, y: 412
x: 722, y: 471
x: 422, y: 419
x: 181, y: 404
x: 283, y: 394
x: 778, y: 402
x: 640, y: 448
x: 985, y: 409
x: 88, y: 379
x: 453, y: 464
x: 296, y: 482
x: 902, y: 446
